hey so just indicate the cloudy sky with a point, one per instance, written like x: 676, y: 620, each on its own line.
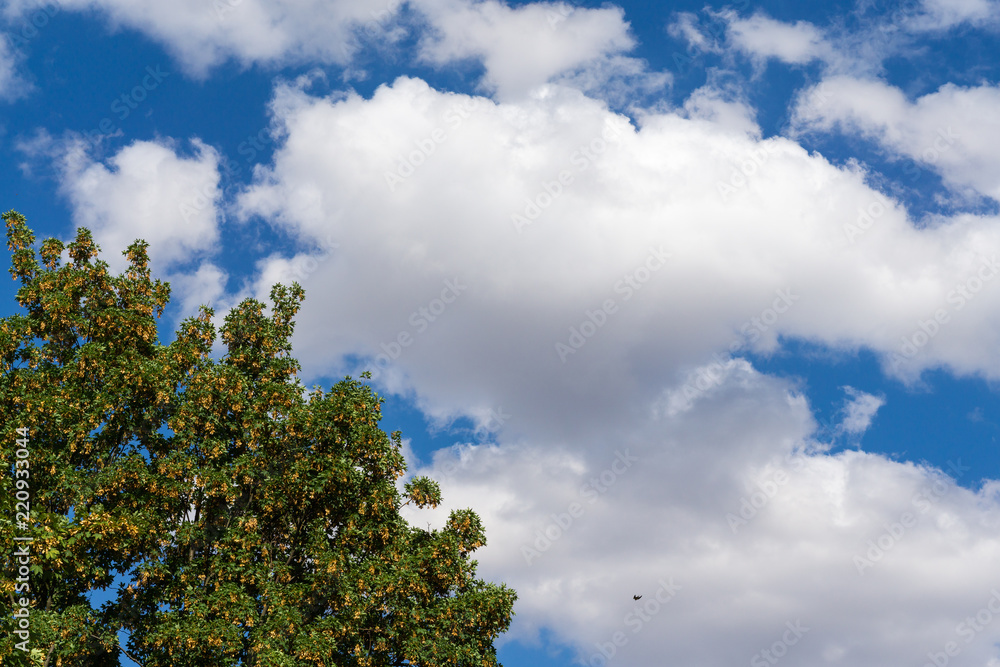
x: 694, y: 302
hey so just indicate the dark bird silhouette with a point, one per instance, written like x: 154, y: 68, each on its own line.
x: 636, y: 597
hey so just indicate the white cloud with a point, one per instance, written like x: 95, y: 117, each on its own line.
x: 686, y: 27
x: 743, y: 217
x: 955, y: 130
x: 542, y: 254
x: 202, y: 35
x: 860, y: 410
x: 943, y: 14
x: 752, y: 533
x: 724, y: 109
x: 206, y: 286
x: 146, y: 191
x: 764, y: 37
x: 524, y: 47
x: 520, y: 48
x: 618, y: 80
x: 886, y: 31
x: 642, y: 251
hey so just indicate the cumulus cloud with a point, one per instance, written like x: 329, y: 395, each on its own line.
x: 526, y: 46
x: 561, y: 202
x: 730, y: 521
x: 954, y: 131
x: 519, y: 47
x: 147, y: 190
x: 599, y: 280
x: 588, y: 270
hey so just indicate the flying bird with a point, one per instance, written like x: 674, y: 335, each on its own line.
x: 636, y: 597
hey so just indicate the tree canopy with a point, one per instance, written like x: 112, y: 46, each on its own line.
x: 242, y: 520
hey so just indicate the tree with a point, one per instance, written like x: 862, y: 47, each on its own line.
x: 252, y: 524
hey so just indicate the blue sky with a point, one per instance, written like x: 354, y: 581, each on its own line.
x: 689, y: 301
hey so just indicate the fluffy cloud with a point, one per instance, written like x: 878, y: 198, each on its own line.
x: 204, y: 34
x: 955, y: 130
x: 569, y: 269
x: 598, y: 279
x: 526, y: 46
x: 519, y: 48
x: 563, y: 203
x: 148, y: 191
x: 731, y: 523
x: 145, y: 191
x: 765, y: 37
